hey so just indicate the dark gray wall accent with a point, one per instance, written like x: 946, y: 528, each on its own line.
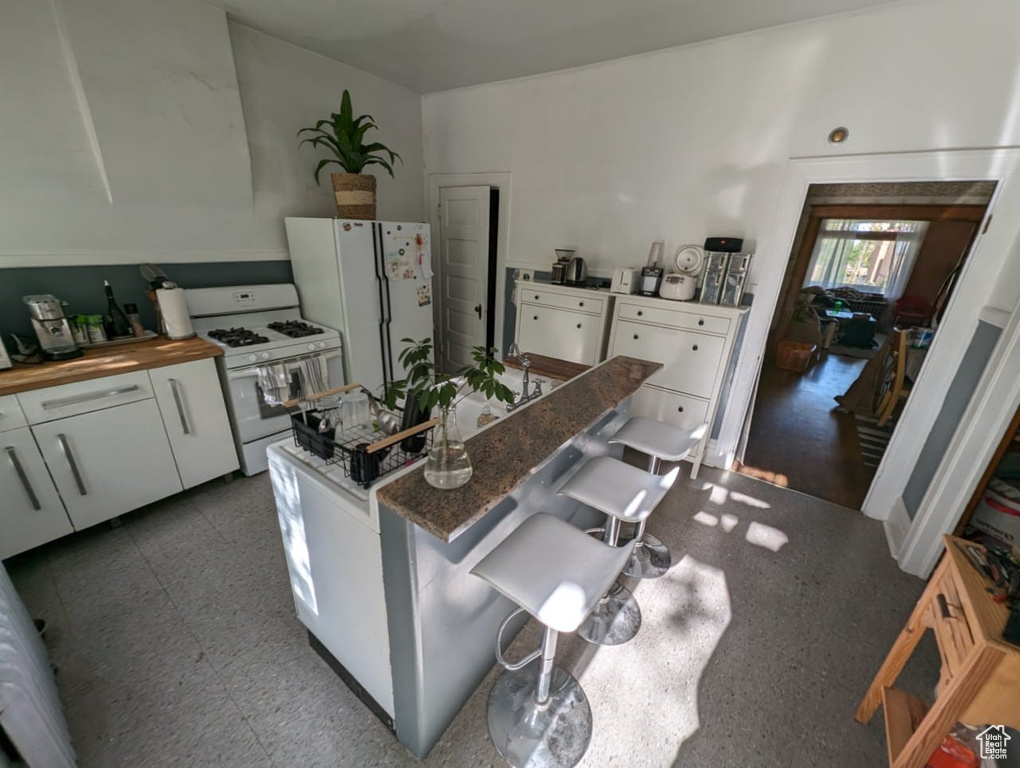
x: 82, y: 287
x: 972, y: 367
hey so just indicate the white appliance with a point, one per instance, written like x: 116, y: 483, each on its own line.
x: 30, y: 714
x: 257, y: 325
x: 5, y: 359
x: 625, y: 280
x: 682, y: 284
x: 370, y: 279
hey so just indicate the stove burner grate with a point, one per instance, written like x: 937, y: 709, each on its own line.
x: 295, y: 329
x: 237, y: 337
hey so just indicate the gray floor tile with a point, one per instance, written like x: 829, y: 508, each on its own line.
x: 177, y: 643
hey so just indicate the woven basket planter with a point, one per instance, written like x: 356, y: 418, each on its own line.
x: 355, y: 195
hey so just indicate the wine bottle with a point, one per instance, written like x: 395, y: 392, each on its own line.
x: 118, y: 322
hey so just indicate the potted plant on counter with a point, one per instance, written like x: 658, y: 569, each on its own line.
x: 447, y: 465
x: 343, y: 135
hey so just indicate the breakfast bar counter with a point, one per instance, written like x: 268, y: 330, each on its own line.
x: 515, y: 448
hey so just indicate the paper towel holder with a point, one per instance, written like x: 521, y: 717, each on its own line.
x: 173, y: 306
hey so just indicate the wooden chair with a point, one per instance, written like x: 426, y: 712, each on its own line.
x: 893, y: 385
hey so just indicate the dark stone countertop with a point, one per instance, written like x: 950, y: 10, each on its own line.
x: 504, y: 455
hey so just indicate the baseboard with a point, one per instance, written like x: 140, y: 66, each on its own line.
x: 897, y: 526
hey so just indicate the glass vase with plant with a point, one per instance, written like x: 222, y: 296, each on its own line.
x: 448, y: 464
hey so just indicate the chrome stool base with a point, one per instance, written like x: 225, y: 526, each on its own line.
x: 615, y: 620
x: 650, y: 560
x: 529, y: 735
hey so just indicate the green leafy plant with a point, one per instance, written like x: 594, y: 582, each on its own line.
x: 343, y: 135
x: 432, y: 387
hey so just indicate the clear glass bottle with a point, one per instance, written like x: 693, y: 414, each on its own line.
x: 486, y: 416
x: 447, y: 465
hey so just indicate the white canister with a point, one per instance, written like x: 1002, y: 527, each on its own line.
x: 174, y: 307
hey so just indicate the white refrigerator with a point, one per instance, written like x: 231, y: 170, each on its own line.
x: 372, y: 281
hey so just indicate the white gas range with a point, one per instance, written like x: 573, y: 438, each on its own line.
x: 259, y: 325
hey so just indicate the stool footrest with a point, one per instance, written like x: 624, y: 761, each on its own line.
x: 513, y: 667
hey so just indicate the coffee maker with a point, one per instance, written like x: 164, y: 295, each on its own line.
x: 559, y: 267
x: 51, y: 328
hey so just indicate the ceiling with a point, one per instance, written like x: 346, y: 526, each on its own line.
x: 433, y: 45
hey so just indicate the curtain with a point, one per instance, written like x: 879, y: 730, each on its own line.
x: 872, y: 256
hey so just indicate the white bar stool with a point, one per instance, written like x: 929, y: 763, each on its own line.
x: 558, y: 574
x: 625, y: 494
x: 660, y: 442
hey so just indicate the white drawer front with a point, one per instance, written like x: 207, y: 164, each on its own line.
x: 42, y: 405
x: 590, y: 304
x: 690, y: 360
x: 670, y: 408
x: 559, y: 333
x: 11, y: 416
x: 686, y: 319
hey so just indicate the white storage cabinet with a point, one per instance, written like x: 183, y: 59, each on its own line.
x: 694, y: 343
x: 77, y: 454
x: 30, y: 508
x: 563, y: 322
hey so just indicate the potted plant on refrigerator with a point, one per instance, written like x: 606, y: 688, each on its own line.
x: 343, y: 135
x: 448, y: 464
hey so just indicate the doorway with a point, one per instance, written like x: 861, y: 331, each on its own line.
x: 866, y: 285
x: 469, y: 224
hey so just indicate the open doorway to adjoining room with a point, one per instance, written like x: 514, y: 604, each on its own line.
x: 869, y: 277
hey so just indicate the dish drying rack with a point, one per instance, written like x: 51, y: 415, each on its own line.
x: 364, y: 454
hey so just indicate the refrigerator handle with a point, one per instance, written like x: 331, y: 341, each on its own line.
x: 380, y: 268
x: 389, y: 305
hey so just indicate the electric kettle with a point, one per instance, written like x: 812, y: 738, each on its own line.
x: 577, y: 272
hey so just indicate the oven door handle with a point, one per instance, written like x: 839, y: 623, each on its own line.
x: 248, y: 373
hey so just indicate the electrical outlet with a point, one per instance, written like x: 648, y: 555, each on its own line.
x: 527, y: 274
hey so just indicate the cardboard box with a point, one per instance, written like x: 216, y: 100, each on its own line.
x: 795, y: 355
x: 998, y: 512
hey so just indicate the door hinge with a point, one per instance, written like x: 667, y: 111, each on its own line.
x: 988, y: 223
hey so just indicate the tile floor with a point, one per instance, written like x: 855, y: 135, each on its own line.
x: 176, y: 642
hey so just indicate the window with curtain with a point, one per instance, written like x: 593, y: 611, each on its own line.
x: 871, y: 256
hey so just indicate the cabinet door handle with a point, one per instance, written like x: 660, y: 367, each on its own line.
x: 578, y: 325
x: 635, y: 337
x: 695, y: 347
x: 536, y: 297
x: 176, y: 389
x: 680, y: 409
x: 65, y: 448
x: 701, y: 322
x: 75, y: 399
x: 535, y: 317
x: 580, y: 303
x: 12, y: 456
x: 640, y: 313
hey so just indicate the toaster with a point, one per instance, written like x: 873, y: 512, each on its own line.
x: 625, y: 280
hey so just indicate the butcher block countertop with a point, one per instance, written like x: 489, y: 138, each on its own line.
x: 504, y: 454
x: 553, y: 367
x: 96, y: 363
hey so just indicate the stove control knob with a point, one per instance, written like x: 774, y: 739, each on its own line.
x: 322, y: 345
x: 264, y: 356
x: 311, y: 346
x: 252, y: 358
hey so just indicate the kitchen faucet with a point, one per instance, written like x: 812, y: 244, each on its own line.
x: 525, y: 361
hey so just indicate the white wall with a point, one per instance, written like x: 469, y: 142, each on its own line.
x: 694, y: 141
x: 140, y: 130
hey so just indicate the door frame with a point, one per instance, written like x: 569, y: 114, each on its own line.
x: 501, y: 180
x: 989, y: 253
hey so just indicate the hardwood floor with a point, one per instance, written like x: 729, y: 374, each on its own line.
x: 797, y: 441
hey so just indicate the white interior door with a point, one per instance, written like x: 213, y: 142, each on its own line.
x: 463, y: 272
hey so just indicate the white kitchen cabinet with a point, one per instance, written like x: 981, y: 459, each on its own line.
x: 195, y: 416
x: 694, y: 343
x: 30, y: 509
x: 562, y: 322
x: 109, y: 461
x: 11, y: 416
